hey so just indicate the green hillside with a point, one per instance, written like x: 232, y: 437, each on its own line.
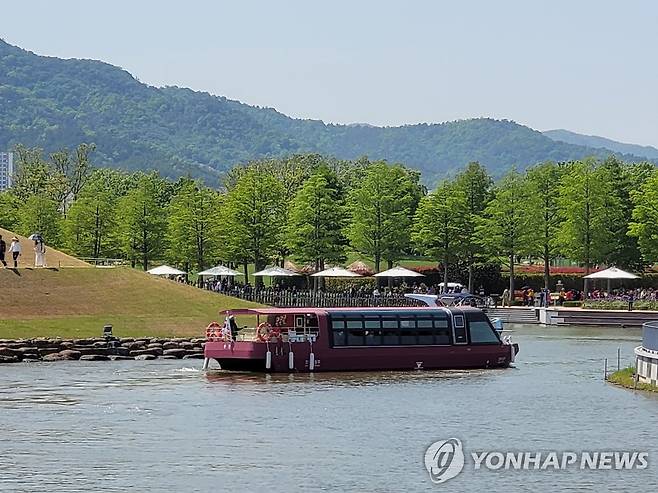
x: 74, y: 302
x: 54, y: 103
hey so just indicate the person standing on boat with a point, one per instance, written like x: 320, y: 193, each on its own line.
x: 506, y: 300
x: 15, y: 250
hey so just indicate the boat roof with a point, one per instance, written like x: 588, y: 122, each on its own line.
x: 325, y: 311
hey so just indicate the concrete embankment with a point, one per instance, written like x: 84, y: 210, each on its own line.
x: 99, y: 349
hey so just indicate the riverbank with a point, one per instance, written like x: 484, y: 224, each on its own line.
x: 626, y: 378
x: 99, y: 349
x: 75, y: 303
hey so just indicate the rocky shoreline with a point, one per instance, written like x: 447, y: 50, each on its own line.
x: 99, y: 349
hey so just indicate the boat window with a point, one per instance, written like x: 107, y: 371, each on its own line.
x: 393, y: 329
x: 425, y: 331
x: 339, y: 337
x: 442, y: 336
x: 482, y: 332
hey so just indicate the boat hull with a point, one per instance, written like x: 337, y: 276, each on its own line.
x: 252, y: 356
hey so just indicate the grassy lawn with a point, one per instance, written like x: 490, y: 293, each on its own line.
x: 625, y: 378
x: 78, y: 302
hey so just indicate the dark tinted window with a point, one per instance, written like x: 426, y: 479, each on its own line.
x: 482, y: 332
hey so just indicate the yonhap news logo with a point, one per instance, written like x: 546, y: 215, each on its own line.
x: 446, y: 459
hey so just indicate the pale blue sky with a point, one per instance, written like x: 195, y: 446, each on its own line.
x: 588, y: 66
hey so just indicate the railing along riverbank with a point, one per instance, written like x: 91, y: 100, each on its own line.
x: 291, y: 299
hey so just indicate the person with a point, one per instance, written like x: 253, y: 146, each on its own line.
x: 39, y: 252
x: 3, y: 250
x: 233, y: 325
x: 506, y: 300
x: 15, y: 250
x: 561, y: 297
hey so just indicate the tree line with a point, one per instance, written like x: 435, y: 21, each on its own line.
x: 316, y: 209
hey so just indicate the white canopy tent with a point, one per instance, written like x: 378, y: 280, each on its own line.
x: 611, y: 273
x: 275, y: 272
x: 220, y: 270
x: 165, y: 270
x: 399, y: 272
x: 335, y: 272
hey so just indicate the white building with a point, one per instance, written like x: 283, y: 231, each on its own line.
x: 6, y: 169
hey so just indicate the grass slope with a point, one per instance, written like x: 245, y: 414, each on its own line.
x: 78, y: 302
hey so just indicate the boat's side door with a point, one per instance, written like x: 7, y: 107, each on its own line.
x: 459, y: 327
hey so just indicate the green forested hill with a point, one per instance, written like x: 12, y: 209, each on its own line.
x: 53, y: 103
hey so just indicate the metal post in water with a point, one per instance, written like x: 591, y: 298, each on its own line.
x: 605, y: 369
x: 618, y: 359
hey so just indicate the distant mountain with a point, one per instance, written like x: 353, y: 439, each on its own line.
x: 53, y: 103
x: 595, y: 142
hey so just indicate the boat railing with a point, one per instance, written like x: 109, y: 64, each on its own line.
x: 287, y: 334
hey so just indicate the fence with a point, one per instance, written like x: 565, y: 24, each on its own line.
x: 285, y: 299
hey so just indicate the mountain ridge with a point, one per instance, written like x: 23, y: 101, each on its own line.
x: 52, y: 103
x: 598, y: 142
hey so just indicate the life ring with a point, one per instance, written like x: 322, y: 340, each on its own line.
x: 213, y: 331
x: 263, y: 332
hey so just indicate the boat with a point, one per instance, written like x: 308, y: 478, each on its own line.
x: 357, y: 339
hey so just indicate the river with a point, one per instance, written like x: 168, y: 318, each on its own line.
x: 166, y: 426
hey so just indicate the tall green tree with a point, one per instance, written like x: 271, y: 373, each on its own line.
x: 644, y: 224
x: 40, y: 214
x: 90, y: 225
x: 584, y: 236
x: 316, y: 220
x: 194, y: 225
x: 620, y: 180
x: 142, y: 223
x: 10, y: 206
x: 381, y: 208
x: 253, y: 211
x: 544, y: 182
x: 505, y: 230
x: 475, y: 183
x: 440, y: 225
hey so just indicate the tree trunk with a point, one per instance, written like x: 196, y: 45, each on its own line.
x: 547, y: 268
x: 378, y: 260
x: 445, y: 274
x: 246, y: 272
x: 470, y: 276
x: 585, y: 280
x: 511, y: 278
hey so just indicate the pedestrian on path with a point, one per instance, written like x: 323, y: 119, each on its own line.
x: 506, y: 297
x: 15, y: 249
x: 39, y: 252
x: 3, y: 250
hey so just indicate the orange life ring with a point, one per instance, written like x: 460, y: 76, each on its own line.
x: 213, y: 331
x: 263, y: 332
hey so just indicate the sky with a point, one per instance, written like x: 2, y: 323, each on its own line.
x: 584, y: 65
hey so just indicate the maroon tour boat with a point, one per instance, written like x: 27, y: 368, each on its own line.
x: 352, y: 339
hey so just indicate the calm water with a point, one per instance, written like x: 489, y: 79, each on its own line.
x: 165, y: 426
